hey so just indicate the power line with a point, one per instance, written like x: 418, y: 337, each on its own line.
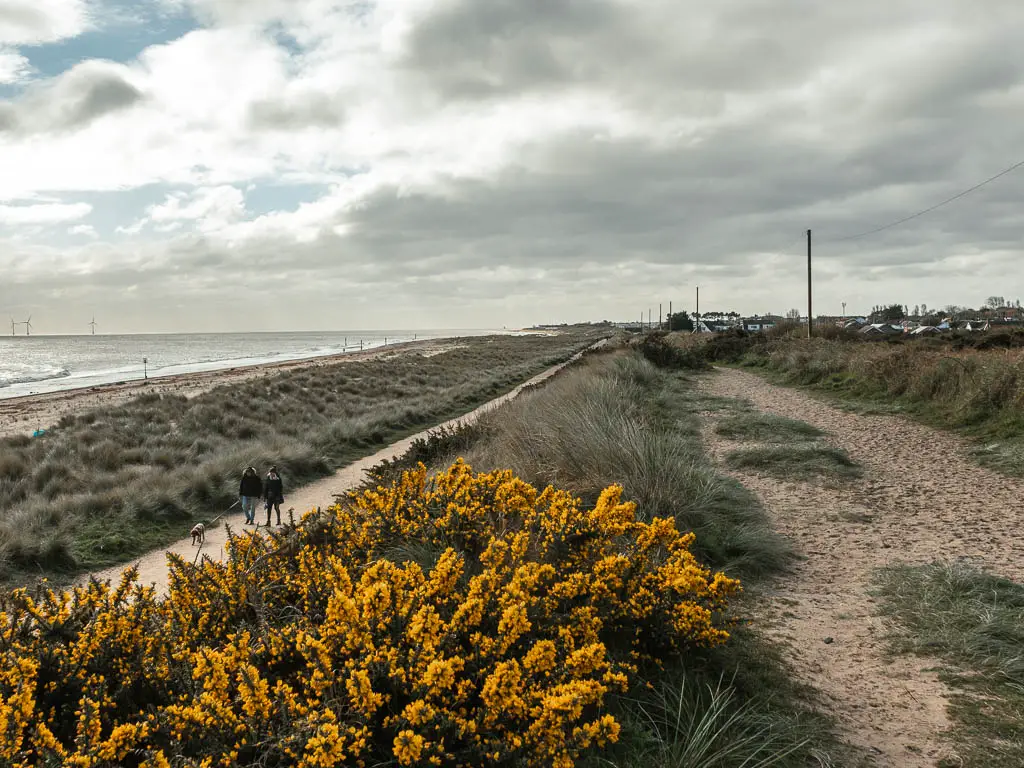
x: 1012, y: 168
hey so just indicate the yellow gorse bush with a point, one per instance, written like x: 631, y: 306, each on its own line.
x: 468, y: 619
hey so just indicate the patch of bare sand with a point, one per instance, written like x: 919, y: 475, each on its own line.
x: 21, y: 415
x: 153, y: 566
x: 921, y: 499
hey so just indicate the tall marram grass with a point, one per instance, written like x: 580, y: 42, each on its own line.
x: 619, y: 421
x: 103, y: 486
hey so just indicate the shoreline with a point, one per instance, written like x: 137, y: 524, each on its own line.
x: 22, y: 414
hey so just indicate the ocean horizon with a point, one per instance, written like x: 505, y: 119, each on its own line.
x: 41, y: 364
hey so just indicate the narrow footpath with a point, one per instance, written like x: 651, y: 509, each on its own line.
x: 921, y: 499
x: 153, y: 566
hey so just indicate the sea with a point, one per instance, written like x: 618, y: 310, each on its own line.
x: 39, y: 364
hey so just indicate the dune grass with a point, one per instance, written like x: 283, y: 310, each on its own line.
x: 736, y: 707
x: 103, y: 486
x: 617, y: 422
x: 974, y: 621
x: 766, y: 428
x: 796, y: 462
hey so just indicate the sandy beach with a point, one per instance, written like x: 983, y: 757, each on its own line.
x: 22, y: 415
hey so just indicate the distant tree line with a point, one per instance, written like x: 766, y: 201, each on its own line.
x: 680, y: 321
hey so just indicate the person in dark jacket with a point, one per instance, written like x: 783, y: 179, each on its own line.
x: 249, y: 491
x: 273, y: 494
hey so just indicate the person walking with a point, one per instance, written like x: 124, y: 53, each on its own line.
x: 249, y: 491
x: 273, y: 494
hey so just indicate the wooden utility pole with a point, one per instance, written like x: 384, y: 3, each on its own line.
x: 696, y: 313
x: 648, y: 318
x: 810, y: 317
x: 660, y: 323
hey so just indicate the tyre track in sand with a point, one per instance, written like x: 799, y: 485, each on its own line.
x: 921, y: 499
x: 153, y: 566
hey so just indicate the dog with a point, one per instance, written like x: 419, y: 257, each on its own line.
x: 198, y: 534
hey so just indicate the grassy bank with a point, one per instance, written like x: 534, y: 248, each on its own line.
x: 973, y: 384
x: 109, y: 484
x: 974, y: 621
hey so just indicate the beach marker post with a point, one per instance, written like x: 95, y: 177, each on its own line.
x: 145, y: 370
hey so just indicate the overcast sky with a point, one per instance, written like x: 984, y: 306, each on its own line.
x: 188, y: 165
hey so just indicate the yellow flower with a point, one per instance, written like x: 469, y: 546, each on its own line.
x: 408, y: 747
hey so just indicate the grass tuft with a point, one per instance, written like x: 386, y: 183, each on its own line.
x: 796, y: 462
x: 735, y: 707
x: 974, y: 621
x: 765, y: 428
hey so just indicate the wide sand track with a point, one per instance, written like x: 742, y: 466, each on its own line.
x: 921, y: 499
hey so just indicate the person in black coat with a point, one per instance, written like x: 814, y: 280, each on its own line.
x: 273, y: 494
x: 249, y: 491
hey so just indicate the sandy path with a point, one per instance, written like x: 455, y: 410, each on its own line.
x: 921, y: 499
x: 153, y: 565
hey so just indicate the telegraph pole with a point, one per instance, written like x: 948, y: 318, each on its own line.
x: 810, y: 318
x: 670, y: 316
x: 660, y: 324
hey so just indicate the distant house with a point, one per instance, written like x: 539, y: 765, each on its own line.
x: 881, y: 330
x: 925, y: 330
x: 855, y: 324
x: 759, y: 323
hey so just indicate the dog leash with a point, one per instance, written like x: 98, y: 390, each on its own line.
x: 218, y: 517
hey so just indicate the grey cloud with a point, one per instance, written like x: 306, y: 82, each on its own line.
x: 471, y: 49
x: 308, y: 111
x: 476, y: 49
x: 684, y: 58
x: 78, y: 97
x: 20, y: 21
x: 742, y: 193
x: 8, y: 117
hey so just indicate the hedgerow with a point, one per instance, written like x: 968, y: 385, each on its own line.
x: 469, y: 619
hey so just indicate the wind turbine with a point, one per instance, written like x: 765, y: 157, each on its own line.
x: 12, y: 326
x: 28, y: 325
x: 93, y: 324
